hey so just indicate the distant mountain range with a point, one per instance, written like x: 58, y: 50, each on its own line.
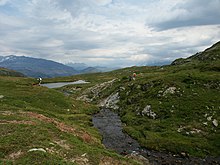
x: 34, y: 67
x: 83, y: 68
x: 77, y: 66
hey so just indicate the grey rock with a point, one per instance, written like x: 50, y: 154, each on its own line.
x: 148, y: 112
x: 170, y: 90
x: 111, y: 101
x: 215, y: 122
x: 37, y: 149
x: 94, y: 92
x: 209, y: 118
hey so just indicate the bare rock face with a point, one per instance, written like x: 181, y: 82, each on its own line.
x: 111, y: 101
x: 148, y: 112
x: 92, y: 93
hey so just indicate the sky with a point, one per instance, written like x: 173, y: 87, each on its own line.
x: 113, y: 33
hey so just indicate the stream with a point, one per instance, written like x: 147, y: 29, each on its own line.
x: 110, y: 127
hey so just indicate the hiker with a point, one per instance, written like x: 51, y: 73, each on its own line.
x: 134, y: 76
x: 39, y: 80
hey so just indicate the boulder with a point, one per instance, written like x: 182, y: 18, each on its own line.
x: 170, y: 90
x: 148, y: 112
x: 111, y: 101
x: 135, y: 156
x: 209, y: 118
x: 215, y: 122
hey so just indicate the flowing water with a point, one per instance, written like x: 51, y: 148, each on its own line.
x: 110, y: 126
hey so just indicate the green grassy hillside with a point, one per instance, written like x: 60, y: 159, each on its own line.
x: 7, y: 72
x: 43, y: 126
x: 173, y: 108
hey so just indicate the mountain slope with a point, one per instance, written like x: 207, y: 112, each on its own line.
x: 7, y: 72
x: 83, y: 68
x: 91, y: 70
x: 34, y: 67
x: 211, y: 54
x: 77, y: 66
x: 172, y: 108
x: 42, y: 126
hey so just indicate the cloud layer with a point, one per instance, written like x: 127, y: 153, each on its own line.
x: 108, y: 32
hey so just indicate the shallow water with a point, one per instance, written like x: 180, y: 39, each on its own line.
x: 110, y: 127
x: 61, y: 84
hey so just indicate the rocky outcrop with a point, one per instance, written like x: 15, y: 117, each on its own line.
x: 170, y: 90
x: 134, y: 155
x: 148, y: 112
x: 111, y: 101
x: 189, y: 131
x: 164, y: 92
x: 94, y: 92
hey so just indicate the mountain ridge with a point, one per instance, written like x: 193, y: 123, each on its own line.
x: 210, y: 54
x: 36, y: 67
x: 7, y: 72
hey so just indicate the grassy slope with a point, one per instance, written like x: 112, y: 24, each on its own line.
x: 196, y: 98
x: 37, y: 117
x: 182, y: 123
x: 69, y: 134
x: 185, y: 109
x: 7, y: 72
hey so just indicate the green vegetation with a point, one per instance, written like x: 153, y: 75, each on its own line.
x: 7, y: 72
x: 34, y: 117
x: 184, y: 97
x: 173, y: 108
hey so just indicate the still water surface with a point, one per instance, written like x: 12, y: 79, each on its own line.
x: 61, y: 84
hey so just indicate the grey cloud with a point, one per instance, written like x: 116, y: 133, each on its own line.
x: 192, y: 13
x: 172, y: 51
x: 81, y: 45
x: 106, y: 34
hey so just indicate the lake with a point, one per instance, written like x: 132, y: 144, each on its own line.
x: 61, y: 84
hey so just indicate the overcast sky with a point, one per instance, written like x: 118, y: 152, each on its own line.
x: 108, y: 32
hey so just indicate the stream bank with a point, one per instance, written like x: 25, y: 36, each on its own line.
x: 110, y: 127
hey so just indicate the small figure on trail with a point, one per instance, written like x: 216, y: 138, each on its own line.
x: 39, y: 80
x: 134, y: 76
